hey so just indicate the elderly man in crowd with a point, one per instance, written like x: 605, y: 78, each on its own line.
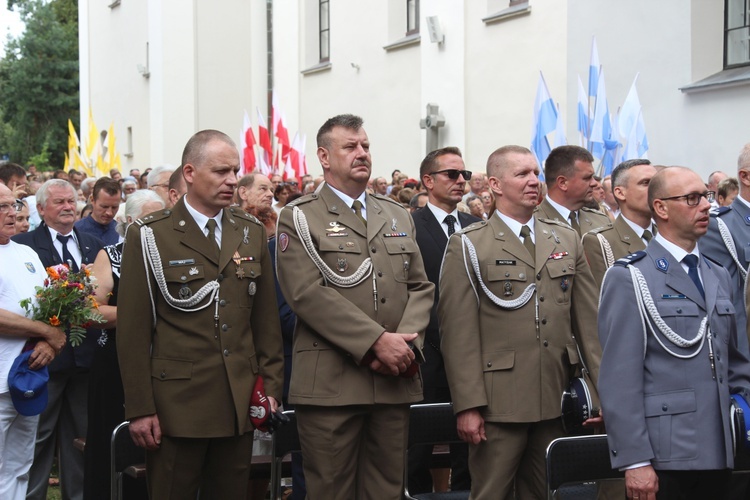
x: 57, y: 241
x: 354, y: 256
x: 22, y: 271
x: 158, y: 181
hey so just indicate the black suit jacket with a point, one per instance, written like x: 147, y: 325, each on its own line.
x: 41, y: 241
x: 432, y: 242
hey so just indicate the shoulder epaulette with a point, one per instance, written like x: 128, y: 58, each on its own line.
x: 556, y: 222
x: 153, y: 217
x: 719, y: 211
x: 629, y: 259
x: 594, y: 211
x: 238, y: 212
x: 386, y: 198
x: 473, y: 227
x: 601, y: 229
x: 302, y: 199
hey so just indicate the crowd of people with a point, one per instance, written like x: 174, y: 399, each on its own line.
x: 348, y: 298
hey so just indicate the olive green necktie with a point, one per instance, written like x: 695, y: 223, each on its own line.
x: 357, y: 206
x: 527, y: 241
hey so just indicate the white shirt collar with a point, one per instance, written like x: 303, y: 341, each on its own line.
x: 349, y: 200
x: 677, y: 252
x: 636, y: 228
x: 441, y: 214
x: 201, y: 219
x: 516, y: 226
x: 561, y: 209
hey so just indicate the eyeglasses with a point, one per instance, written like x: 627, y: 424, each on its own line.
x: 164, y: 185
x: 453, y: 173
x: 5, y: 207
x: 693, y: 199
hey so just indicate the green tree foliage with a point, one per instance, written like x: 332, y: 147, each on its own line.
x: 39, y: 81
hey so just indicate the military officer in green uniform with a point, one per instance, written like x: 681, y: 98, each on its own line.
x: 633, y: 228
x: 197, y: 323
x: 569, y: 174
x: 350, y: 268
x: 517, y: 311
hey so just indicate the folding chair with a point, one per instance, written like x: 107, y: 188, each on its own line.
x: 572, y: 461
x: 285, y: 441
x: 124, y: 454
x: 431, y: 424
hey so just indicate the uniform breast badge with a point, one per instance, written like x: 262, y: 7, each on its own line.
x: 252, y: 288
x: 336, y: 230
x: 394, y: 224
x: 342, y: 265
x: 565, y: 283
x: 193, y: 271
x: 237, y: 260
x: 508, y: 287
x: 245, y: 232
x: 185, y: 292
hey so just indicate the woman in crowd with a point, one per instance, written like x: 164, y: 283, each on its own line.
x: 280, y: 194
x: 23, y: 219
x: 106, y: 399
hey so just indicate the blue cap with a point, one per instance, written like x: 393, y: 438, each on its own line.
x: 28, y: 388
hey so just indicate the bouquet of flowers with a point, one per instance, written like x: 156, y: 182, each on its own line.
x: 66, y: 300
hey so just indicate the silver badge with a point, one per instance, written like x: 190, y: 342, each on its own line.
x: 245, y: 232
x: 343, y: 265
x: 193, y: 271
x: 394, y: 223
x: 508, y: 289
x: 185, y: 292
x: 252, y: 288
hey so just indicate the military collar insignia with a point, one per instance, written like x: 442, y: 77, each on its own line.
x: 662, y: 265
x: 747, y: 220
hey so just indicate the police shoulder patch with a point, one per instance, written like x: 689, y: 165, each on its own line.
x: 719, y: 211
x: 629, y: 259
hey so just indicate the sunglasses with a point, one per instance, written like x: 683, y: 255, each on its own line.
x: 453, y: 173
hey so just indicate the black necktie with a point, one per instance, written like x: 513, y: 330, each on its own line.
x: 647, y: 235
x: 67, y: 257
x: 211, y: 225
x: 527, y: 241
x: 357, y: 207
x: 451, y: 222
x: 574, y: 222
x: 692, y: 262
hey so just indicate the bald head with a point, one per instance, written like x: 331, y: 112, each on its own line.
x: 498, y: 161
x: 195, y: 149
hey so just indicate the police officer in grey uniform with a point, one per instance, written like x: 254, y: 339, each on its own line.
x: 670, y: 358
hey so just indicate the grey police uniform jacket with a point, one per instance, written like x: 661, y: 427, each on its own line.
x: 712, y: 245
x: 503, y: 361
x: 673, y: 412
x: 337, y: 325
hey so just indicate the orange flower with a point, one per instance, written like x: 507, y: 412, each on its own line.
x: 54, y: 321
x: 87, y: 272
x: 53, y: 273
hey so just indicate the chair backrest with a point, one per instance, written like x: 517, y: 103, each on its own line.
x: 123, y: 454
x: 578, y: 459
x: 432, y: 423
x: 285, y: 440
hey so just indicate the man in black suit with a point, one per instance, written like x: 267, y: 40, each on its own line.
x: 444, y: 176
x: 56, y: 242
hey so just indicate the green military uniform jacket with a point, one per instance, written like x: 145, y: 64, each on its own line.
x: 588, y: 219
x: 618, y: 237
x: 337, y: 325
x: 196, y: 369
x: 508, y: 363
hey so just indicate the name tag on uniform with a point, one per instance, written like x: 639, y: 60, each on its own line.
x: 183, y: 262
x: 678, y: 296
x: 500, y: 262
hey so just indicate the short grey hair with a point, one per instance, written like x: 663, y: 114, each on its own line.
x: 619, y: 175
x: 43, y: 192
x: 156, y: 173
x: 744, y: 159
x: 134, y: 207
x: 87, y: 186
